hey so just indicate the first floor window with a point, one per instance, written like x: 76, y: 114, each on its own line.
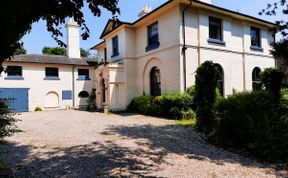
x: 51, y: 72
x: 155, y: 82
x: 256, y: 82
x: 255, y: 37
x: 14, y: 71
x: 215, y: 28
x: 153, y: 37
x: 83, y: 74
x: 115, y: 46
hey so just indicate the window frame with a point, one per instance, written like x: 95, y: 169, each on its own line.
x: 153, y: 41
x: 256, y: 80
x: 256, y: 44
x: 84, y: 77
x: 115, y: 46
x: 51, y: 77
x: 155, y: 81
x: 213, y: 26
x: 16, y: 74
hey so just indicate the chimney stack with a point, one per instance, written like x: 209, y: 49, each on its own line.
x: 146, y: 9
x: 73, y: 39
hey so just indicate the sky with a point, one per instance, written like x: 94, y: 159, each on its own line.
x: 39, y: 37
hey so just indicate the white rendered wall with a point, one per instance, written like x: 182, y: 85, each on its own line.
x: 34, y: 75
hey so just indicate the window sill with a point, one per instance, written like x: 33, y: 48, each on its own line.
x: 216, y: 42
x: 115, y: 55
x: 152, y: 47
x: 256, y: 48
x: 83, y: 79
x: 14, y: 78
x: 51, y: 78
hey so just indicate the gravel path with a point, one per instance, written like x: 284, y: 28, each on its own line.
x: 83, y: 144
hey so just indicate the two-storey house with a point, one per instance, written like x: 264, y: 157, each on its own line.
x: 161, y: 51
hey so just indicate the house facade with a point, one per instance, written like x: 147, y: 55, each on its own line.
x: 161, y: 51
x: 49, y: 82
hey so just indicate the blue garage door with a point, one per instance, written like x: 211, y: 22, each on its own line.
x: 17, y: 98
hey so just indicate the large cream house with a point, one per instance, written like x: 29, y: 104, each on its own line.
x: 161, y: 51
x: 156, y: 54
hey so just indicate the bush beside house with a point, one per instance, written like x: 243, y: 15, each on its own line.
x: 171, y: 105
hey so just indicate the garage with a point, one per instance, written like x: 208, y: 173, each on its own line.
x: 18, y: 98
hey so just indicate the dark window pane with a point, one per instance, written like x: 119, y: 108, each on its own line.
x: 220, y: 84
x: 115, y: 46
x: 215, y: 28
x: 153, y: 37
x: 155, y: 82
x: 14, y: 71
x: 83, y: 73
x: 255, y: 37
x: 51, y: 72
x: 256, y: 82
x: 83, y: 94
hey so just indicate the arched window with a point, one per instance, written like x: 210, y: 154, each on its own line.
x: 155, y: 82
x: 220, y: 84
x: 256, y: 83
x: 103, y: 91
x: 83, y: 94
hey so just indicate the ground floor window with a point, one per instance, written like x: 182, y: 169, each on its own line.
x: 220, y: 83
x: 256, y: 83
x: 155, y: 82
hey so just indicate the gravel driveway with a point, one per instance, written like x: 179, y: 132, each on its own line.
x: 83, y: 144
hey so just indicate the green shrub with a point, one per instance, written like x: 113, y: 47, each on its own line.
x: 249, y: 121
x: 187, y: 115
x: 37, y: 109
x: 284, y: 93
x: 191, y: 90
x: 7, y: 120
x: 205, y: 96
x: 169, y: 105
x: 272, y: 80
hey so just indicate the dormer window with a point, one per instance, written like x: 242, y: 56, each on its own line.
x: 255, y: 39
x: 115, y: 46
x: 153, y: 37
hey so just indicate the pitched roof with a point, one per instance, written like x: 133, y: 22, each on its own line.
x: 120, y: 23
x: 51, y: 59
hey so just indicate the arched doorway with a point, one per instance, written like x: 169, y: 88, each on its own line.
x: 155, y: 82
x: 51, y: 100
x: 83, y: 97
x: 256, y: 82
x: 220, y: 83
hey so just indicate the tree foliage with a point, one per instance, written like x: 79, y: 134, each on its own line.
x: 84, y: 53
x: 7, y: 120
x: 20, y: 50
x: 205, y: 95
x: 272, y: 80
x: 280, y: 49
x: 54, y: 51
x: 17, y: 17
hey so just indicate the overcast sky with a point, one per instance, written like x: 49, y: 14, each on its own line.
x: 39, y: 37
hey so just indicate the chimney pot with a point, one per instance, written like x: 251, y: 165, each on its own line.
x: 146, y: 10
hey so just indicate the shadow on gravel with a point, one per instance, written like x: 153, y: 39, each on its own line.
x: 94, y: 160
x: 182, y: 141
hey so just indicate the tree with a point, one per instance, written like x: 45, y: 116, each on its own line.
x: 7, y: 120
x: 20, y: 50
x: 206, y: 77
x: 280, y: 49
x: 17, y: 16
x: 84, y: 53
x: 54, y: 51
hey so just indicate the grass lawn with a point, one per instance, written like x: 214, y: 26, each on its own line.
x: 186, y: 123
